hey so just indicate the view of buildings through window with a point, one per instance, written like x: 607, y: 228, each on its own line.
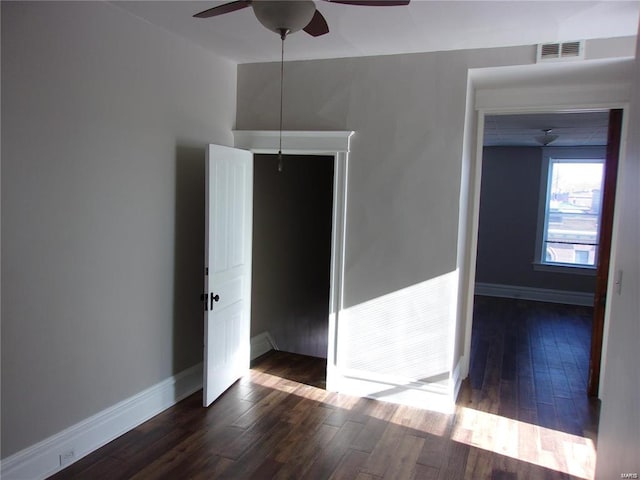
x: 572, y: 220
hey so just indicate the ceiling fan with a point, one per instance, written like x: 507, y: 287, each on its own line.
x: 289, y: 16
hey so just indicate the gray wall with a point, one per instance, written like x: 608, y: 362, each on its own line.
x: 619, y: 429
x: 408, y: 112
x: 406, y: 168
x: 509, y: 201
x: 105, y: 119
x: 291, y: 251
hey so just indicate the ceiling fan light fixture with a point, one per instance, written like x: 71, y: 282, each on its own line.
x: 289, y: 16
x: 282, y: 15
x: 547, y: 138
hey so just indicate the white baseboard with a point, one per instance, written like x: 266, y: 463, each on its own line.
x: 456, y: 378
x: 261, y: 344
x: 537, y: 294
x: 43, y: 459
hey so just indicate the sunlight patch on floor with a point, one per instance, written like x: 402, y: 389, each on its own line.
x: 411, y: 417
x: 521, y: 441
x: 525, y: 442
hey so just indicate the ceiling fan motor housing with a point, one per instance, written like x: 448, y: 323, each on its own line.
x: 281, y: 15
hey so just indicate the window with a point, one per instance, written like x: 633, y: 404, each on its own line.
x: 571, y: 212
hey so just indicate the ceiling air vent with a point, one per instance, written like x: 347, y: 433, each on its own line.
x: 560, y: 51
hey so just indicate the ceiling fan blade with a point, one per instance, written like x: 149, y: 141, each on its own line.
x: 222, y: 9
x: 317, y: 26
x: 372, y: 3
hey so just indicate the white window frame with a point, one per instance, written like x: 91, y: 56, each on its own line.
x: 562, y: 154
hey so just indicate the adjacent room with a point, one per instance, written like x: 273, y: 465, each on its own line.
x: 538, y: 244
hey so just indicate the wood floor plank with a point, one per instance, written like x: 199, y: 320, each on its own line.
x: 384, y: 450
x: 368, y: 437
x: 455, y: 463
x: 304, y: 433
x: 298, y: 461
x: 479, y: 465
x: 403, y: 463
x: 333, y: 454
x: 424, y: 472
x: 172, y: 461
x: 236, y: 447
x: 249, y: 463
x: 433, y: 453
x: 260, y: 409
x: 104, y: 468
x: 526, y: 393
x: 349, y: 466
x: 366, y: 476
x: 204, y: 467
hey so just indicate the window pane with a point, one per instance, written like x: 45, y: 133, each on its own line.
x: 573, y: 212
x: 574, y: 254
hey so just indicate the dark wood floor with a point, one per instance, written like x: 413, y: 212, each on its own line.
x: 529, y: 362
x: 516, y: 418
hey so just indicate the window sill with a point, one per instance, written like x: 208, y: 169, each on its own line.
x: 570, y: 269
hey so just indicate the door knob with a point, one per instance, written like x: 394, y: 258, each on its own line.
x: 214, y: 298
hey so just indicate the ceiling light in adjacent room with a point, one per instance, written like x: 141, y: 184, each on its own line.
x: 547, y: 138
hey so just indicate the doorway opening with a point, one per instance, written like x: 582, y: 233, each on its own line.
x: 336, y: 145
x: 533, y: 316
x: 292, y: 220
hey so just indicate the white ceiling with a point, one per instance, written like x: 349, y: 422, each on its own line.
x: 573, y: 129
x: 422, y: 26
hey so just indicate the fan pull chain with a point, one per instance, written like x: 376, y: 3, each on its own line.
x: 283, y: 35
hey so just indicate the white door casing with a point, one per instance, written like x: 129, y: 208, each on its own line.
x: 342, y: 376
x: 227, y: 298
x: 513, y: 93
x: 335, y: 144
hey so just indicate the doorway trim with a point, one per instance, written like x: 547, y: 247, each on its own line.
x: 326, y: 143
x: 503, y: 101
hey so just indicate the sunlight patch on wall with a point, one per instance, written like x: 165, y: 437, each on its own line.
x: 404, y: 334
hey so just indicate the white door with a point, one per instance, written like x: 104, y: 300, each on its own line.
x: 227, y: 298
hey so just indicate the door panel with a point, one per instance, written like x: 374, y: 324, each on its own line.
x: 229, y: 174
